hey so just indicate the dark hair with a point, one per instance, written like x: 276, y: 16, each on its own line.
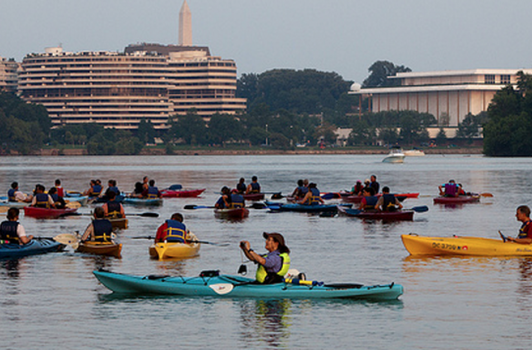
x: 12, y: 213
x: 152, y: 182
x: 138, y: 187
x: 524, y: 209
x: 254, y: 178
x: 370, y: 190
x: 57, y: 182
x: 300, y: 182
x: 241, y: 179
x: 99, y: 212
x: 312, y: 185
x: 385, y: 189
x: 110, y: 194
x: 52, y: 190
x: 177, y: 217
x: 14, y: 185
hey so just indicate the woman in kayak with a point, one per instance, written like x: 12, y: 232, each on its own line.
x: 369, y: 201
x: 525, y: 232
x: 224, y: 202
x: 274, y: 265
x: 11, y: 231
x: 254, y: 186
x: 313, y: 196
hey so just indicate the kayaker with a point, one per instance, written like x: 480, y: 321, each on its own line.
x: 95, y: 189
x: 11, y: 231
x: 369, y: 201
x: 60, y: 190
x: 137, y: 192
x: 525, y: 232
x: 254, y: 186
x: 237, y: 200
x: 224, y: 202
x: 14, y: 195
x: 152, y: 192
x: 313, y: 196
x: 173, y: 230
x: 145, y: 183
x: 450, y: 189
x: 357, y: 189
x: 100, y: 229
x: 58, y: 200
x: 111, y: 187
x: 241, y: 186
x: 374, y: 184
x: 388, y: 202
x: 274, y: 265
x: 41, y: 199
x: 113, y: 209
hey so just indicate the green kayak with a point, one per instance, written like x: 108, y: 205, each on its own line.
x: 212, y: 284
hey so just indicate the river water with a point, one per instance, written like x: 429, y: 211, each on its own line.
x: 53, y: 301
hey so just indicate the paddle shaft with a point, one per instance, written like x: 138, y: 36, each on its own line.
x: 202, y: 242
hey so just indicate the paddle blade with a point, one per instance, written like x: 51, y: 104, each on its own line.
x: 486, y: 194
x: 149, y: 215
x: 420, y: 209
x: 327, y: 196
x: 277, y: 196
x: 68, y: 239
x: 502, y: 236
x: 190, y: 206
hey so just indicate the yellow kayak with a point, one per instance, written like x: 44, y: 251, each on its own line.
x: 175, y: 250
x: 457, y: 245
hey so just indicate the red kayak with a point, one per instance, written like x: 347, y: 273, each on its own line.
x: 400, y: 196
x: 45, y: 213
x: 238, y: 213
x: 378, y: 215
x: 457, y: 200
x: 181, y: 193
x: 253, y: 196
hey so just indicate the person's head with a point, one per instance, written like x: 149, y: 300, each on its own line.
x: 241, y: 180
x: 177, y: 217
x: 367, y: 182
x: 234, y: 190
x: 152, y: 182
x: 14, y: 185
x: 275, y: 241
x: 385, y: 189
x: 138, y: 187
x: 312, y: 185
x: 373, y: 178
x: 300, y: 182
x: 523, y: 213
x: 52, y: 190
x: 145, y: 179
x: 110, y: 194
x: 12, y: 214
x: 110, y: 183
x: 305, y: 182
x: 368, y: 191
x: 99, y: 213
x: 451, y: 181
x: 98, y: 182
x: 39, y: 188
x: 359, y: 182
x: 58, y: 182
x: 225, y: 190
x: 254, y: 178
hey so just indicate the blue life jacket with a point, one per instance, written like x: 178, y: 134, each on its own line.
x: 96, y: 190
x: 175, y: 232
x: 42, y: 200
x: 241, y: 187
x: 302, y: 190
x: 388, y: 202
x: 153, y: 192
x: 102, y: 230
x: 55, y: 197
x: 523, y: 230
x: 113, y: 209
x: 370, y: 202
x: 8, y: 231
x: 220, y: 204
x: 11, y: 195
x: 114, y: 189
x: 255, y: 187
x: 237, y: 201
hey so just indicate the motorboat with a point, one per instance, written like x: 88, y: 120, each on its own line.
x: 396, y: 155
x: 415, y: 152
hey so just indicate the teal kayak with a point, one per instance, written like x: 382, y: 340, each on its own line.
x: 230, y: 286
x: 301, y: 207
x: 143, y: 201
x: 10, y: 250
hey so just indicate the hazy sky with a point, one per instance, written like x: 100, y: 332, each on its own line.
x: 343, y: 36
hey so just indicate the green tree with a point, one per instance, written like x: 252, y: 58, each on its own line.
x: 190, y: 127
x: 223, y: 128
x: 146, y: 132
x: 379, y: 73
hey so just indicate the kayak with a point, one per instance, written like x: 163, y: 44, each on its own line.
x: 238, y: 213
x: 457, y: 200
x: 400, y: 197
x: 35, y: 246
x: 119, y: 223
x: 181, y: 193
x: 14, y: 204
x: 45, y: 213
x: 301, y: 207
x: 378, y: 215
x: 96, y: 200
x: 458, y: 245
x: 83, y: 200
x: 100, y: 248
x: 175, y: 250
x: 241, y: 287
x: 253, y: 196
x: 143, y: 201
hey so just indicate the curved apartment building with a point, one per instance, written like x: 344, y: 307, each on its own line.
x: 108, y: 88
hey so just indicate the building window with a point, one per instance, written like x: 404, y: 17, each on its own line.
x: 505, y: 79
x: 489, y: 79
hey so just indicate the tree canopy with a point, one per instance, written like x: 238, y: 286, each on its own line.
x: 379, y: 73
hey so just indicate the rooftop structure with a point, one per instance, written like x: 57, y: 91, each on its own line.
x: 445, y: 94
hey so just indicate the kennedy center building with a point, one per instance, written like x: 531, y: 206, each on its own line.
x: 451, y: 93
x: 146, y: 81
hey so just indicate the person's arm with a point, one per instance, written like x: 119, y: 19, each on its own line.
x: 21, y: 233
x: 398, y: 204
x: 250, y: 254
x: 51, y: 201
x: 380, y: 203
x: 305, y: 198
x: 519, y: 240
x: 248, y: 190
x: 88, y: 233
x: 105, y: 210
x: 122, y: 212
x: 363, y: 203
x: 160, y: 233
x: 441, y: 190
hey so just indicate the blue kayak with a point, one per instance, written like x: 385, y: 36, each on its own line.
x: 104, y: 199
x: 241, y: 287
x: 143, y: 201
x: 10, y: 250
x: 301, y: 207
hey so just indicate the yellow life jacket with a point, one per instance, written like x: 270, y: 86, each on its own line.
x: 261, y: 273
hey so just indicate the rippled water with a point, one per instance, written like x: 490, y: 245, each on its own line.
x: 53, y: 301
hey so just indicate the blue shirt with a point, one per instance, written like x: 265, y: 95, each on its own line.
x: 274, y: 262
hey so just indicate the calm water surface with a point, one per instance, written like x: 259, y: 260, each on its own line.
x: 53, y: 301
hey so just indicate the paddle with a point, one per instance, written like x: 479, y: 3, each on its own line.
x: 194, y: 207
x: 64, y: 238
x: 147, y: 214
x: 504, y: 239
x: 195, y: 241
x: 486, y: 194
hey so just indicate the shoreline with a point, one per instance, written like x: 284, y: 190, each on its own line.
x: 224, y: 152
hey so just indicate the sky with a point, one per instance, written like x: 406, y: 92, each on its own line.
x: 342, y: 36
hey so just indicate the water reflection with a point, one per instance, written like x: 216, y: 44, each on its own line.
x: 265, y: 321
x: 12, y: 268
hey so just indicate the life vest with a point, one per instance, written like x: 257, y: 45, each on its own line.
x: 237, y: 201
x: 315, y: 199
x: 11, y: 195
x: 370, y: 202
x: 8, y: 231
x: 113, y: 209
x: 388, y: 203
x: 102, y: 230
x: 60, y: 191
x: 55, y: 197
x: 255, y: 187
x: 114, y: 189
x: 451, y: 190
x: 42, y: 200
x: 175, y: 231
x: 96, y: 190
x: 273, y: 277
x: 523, y: 230
x: 153, y: 192
x: 241, y: 187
